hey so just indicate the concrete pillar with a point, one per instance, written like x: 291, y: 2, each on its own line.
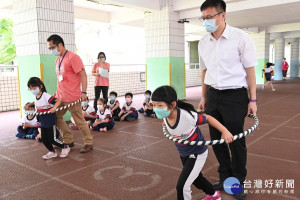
x: 279, y: 54
x: 35, y: 21
x: 294, y: 70
x: 262, y: 43
x: 165, y: 49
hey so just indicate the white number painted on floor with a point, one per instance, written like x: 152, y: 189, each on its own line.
x: 156, y: 179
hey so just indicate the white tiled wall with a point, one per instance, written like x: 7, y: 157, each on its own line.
x: 279, y: 48
x: 36, y: 20
x: 262, y: 44
x: 295, y: 49
x: 164, y: 35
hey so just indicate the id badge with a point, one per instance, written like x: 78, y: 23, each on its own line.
x: 60, y: 78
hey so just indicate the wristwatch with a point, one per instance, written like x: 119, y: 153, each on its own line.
x: 83, y: 92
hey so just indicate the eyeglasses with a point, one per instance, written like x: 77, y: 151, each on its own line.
x: 53, y: 47
x: 209, y: 17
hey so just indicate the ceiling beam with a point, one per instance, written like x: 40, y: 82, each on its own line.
x: 150, y: 6
x: 91, y: 14
x: 283, y: 28
x: 192, y: 12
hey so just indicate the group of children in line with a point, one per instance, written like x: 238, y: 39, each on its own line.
x: 103, y: 117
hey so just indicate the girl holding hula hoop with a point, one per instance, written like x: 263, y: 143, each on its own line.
x: 182, y: 120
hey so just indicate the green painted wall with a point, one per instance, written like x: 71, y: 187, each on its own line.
x: 258, y: 70
x: 158, y: 74
x: 194, y: 56
x: 29, y: 66
x: 177, y: 76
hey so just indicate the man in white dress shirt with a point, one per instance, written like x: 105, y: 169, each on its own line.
x: 227, y: 57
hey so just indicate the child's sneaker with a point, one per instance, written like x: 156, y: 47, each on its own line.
x: 49, y: 155
x: 103, y: 129
x: 141, y: 110
x: 73, y: 126
x: 274, y: 90
x: 152, y: 115
x: 216, y: 197
x: 65, y: 151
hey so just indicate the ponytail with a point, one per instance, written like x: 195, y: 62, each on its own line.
x: 186, y: 106
x: 168, y: 95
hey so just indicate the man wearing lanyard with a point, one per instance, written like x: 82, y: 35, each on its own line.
x: 70, y: 75
x: 227, y: 57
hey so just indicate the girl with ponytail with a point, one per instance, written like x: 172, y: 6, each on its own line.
x: 182, y: 120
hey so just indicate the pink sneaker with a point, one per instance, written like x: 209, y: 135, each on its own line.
x: 103, y: 129
x: 217, y: 197
x: 91, y: 128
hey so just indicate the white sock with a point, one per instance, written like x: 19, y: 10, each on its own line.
x: 215, y: 194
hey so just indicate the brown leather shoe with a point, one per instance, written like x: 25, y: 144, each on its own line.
x: 86, y: 148
x: 71, y: 144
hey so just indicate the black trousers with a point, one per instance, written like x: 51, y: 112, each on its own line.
x: 98, y: 90
x: 49, y: 138
x: 284, y: 73
x: 188, y: 174
x: 229, y: 107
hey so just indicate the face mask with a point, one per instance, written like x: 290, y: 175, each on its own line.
x: 147, y: 96
x: 84, y: 103
x: 162, y: 113
x: 100, y: 107
x: 103, y: 59
x: 29, y: 112
x: 35, y: 92
x: 55, y: 52
x: 128, y: 100
x: 112, y: 98
x: 210, y: 25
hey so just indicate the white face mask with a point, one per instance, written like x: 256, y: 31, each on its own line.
x: 35, y: 92
x: 100, y: 107
x: 55, y: 52
x: 103, y: 59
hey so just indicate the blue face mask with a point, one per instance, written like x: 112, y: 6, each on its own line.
x: 55, y: 52
x: 112, y: 98
x: 210, y: 25
x: 29, y: 112
x: 162, y: 113
x: 147, y: 96
x: 35, y: 92
x: 84, y: 103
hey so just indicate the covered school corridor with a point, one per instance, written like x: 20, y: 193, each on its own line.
x: 135, y: 161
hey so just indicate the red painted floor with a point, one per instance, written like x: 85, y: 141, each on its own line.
x: 135, y: 162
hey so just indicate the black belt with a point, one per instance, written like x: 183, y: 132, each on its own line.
x: 227, y: 90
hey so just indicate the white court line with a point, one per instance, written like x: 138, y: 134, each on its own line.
x: 171, y: 192
x: 293, y: 127
x: 50, y: 178
x: 269, y: 132
x: 155, y: 163
x: 106, y: 151
x: 112, y: 158
x: 278, y: 99
x: 270, y: 115
x: 258, y: 139
x: 282, y: 139
x: 132, y: 133
x: 73, y: 171
x: 124, y: 127
x: 273, y: 158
